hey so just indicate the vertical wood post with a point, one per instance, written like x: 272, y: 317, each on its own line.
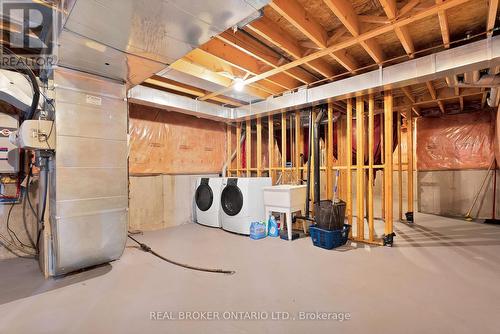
x: 228, y: 148
x: 329, y: 154
x: 283, y: 146
x: 409, y: 147
x: 400, y: 170
x: 349, y: 163
x: 360, y: 174
x: 248, y: 141
x: 270, y: 147
x: 259, y: 147
x: 238, y: 149
x: 341, y: 155
x: 298, y: 144
x: 388, y: 168
x: 371, y: 126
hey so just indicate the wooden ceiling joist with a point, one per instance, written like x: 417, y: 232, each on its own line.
x: 445, y: 94
x: 298, y: 17
x: 432, y: 91
x: 245, y: 62
x: 344, y: 11
x: 184, y: 65
x: 256, y: 49
x: 409, y: 95
x: 272, y: 33
x: 443, y: 25
x: 404, y: 37
x: 295, y: 14
x: 344, y: 44
x: 492, y: 16
x: 166, y: 83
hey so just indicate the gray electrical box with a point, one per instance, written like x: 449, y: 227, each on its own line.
x: 9, y: 153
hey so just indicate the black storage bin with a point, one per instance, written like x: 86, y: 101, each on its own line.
x: 330, y: 215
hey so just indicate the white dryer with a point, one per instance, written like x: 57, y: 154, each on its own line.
x: 242, y: 202
x: 207, y: 200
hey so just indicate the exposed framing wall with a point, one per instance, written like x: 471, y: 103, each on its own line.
x: 362, y: 195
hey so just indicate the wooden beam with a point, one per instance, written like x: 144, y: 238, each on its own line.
x: 492, y: 16
x: 400, y: 169
x: 270, y: 145
x: 388, y: 169
x: 259, y: 147
x: 298, y: 17
x: 348, y: 158
x: 404, y: 37
x: 373, y: 19
x: 238, y: 149
x: 408, y: 7
x: 298, y: 143
x: 345, y: 60
x: 329, y: 154
x: 191, y: 67
x: 245, y: 62
x: 374, y: 50
x: 371, y: 127
x: 313, y: 159
x: 283, y: 145
x: 360, y: 173
x: 251, y: 46
x: 443, y: 25
x: 295, y: 14
x: 406, y: 40
x: 390, y: 8
x: 248, y: 147
x: 409, y: 148
x: 354, y: 40
x: 162, y: 82
x: 345, y: 12
x: 272, y: 33
x: 432, y: 91
x: 229, y: 151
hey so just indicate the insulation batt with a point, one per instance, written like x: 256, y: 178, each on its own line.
x: 462, y: 141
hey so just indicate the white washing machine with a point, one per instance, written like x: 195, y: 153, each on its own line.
x: 242, y: 202
x: 207, y: 200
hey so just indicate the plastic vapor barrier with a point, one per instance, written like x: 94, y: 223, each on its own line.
x: 163, y: 142
x: 462, y: 141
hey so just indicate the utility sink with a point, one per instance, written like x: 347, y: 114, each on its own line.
x: 285, y: 196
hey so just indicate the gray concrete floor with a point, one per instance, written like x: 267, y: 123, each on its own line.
x: 442, y: 276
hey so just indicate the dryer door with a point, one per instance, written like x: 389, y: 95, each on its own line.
x: 204, y: 195
x: 232, y: 198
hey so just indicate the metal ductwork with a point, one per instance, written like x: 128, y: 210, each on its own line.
x: 470, y: 57
x: 130, y: 40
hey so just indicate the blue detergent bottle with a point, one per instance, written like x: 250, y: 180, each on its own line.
x: 272, y: 227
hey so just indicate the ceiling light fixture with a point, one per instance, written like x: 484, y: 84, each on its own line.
x: 239, y: 84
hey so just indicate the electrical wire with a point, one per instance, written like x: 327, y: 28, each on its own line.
x: 12, y: 233
x: 148, y: 249
x: 32, y: 79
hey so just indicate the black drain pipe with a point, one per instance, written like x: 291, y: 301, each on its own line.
x: 317, y: 193
x: 309, y: 151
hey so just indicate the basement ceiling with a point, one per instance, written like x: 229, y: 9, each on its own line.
x: 363, y: 35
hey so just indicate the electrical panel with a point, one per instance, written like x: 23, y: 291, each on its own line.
x: 9, y: 153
